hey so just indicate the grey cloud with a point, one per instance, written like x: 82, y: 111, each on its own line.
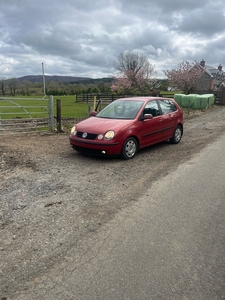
x: 82, y: 38
x: 208, y: 22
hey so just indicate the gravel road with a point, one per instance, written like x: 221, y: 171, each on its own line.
x: 54, y: 199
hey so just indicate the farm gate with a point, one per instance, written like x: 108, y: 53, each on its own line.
x: 24, y: 115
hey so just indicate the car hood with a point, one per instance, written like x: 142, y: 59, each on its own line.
x: 101, y: 125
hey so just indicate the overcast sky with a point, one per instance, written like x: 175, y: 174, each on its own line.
x: 84, y: 37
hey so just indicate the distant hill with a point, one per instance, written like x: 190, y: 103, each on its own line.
x: 62, y: 79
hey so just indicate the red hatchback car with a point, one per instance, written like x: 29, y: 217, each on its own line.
x: 127, y: 125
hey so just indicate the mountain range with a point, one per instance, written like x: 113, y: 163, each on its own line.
x: 62, y: 79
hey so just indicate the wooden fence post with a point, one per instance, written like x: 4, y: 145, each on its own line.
x: 94, y: 102
x: 222, y: 102
x: 58, y: 116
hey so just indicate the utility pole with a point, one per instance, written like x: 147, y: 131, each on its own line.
x: 43, y: 80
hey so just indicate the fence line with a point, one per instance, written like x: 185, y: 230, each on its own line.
x: 107, y: 98
x: 89, y: 97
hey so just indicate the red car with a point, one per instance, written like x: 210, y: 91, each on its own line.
x: 127, y: 125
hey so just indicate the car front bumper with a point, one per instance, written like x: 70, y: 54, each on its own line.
x: 96, y: 147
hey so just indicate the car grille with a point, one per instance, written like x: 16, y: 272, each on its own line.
x: 90, y: 136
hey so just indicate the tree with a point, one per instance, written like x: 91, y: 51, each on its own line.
x: 2, y: 87
x: 27, y: 85
x: 103, y: 86
x: 52, y: 88
x: 134, y: 72
x: 13, y: 85
x: 185, y: 77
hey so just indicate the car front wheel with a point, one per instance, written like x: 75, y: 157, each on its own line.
x: 129, y: 148
x: 177, y: 135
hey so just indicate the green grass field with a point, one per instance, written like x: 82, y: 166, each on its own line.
x: 70, y: 108
x: 24, y: 107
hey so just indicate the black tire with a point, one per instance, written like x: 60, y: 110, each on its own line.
x: 177, y: 135
x: 130, y: 148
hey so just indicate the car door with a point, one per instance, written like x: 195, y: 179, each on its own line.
x: 150, y: 129
x: 169, y: 117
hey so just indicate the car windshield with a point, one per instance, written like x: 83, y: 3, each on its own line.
x: 120, y: 109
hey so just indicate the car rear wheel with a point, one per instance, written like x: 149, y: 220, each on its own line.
x: 129, y: 148
x: 177, y: 135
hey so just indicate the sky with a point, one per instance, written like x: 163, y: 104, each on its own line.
x: 83, y: 38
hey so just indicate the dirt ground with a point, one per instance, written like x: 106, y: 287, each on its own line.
x: 52, y: 198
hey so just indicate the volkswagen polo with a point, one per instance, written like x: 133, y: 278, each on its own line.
x: 128, y: 125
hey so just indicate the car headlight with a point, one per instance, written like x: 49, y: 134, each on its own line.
x: 109, y: 135
x: 73, y: 130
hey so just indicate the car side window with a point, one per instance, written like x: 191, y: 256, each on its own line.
x: 167, y: 106
x: 151, y: 108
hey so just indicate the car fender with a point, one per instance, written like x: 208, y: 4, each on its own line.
x: 127, y: 133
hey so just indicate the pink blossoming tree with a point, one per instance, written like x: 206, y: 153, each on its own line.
x: 185, y: 77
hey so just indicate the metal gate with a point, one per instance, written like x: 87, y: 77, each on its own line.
x: 24, y: 115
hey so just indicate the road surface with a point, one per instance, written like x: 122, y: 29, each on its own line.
x: 168, y: 245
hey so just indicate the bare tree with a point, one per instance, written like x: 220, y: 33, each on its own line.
x: 2, y: 87
x: 13, y: 84
x: 134, y: 71
x: 185, y: 77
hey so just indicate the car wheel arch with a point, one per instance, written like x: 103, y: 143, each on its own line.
x: 130, y: 134
x: 137, y: 140
x: 181, y: 126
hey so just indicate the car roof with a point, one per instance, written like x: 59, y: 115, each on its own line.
x: 143, y: 99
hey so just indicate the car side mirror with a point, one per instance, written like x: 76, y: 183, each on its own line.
x: 93, y: 113
x: 147, y: 117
